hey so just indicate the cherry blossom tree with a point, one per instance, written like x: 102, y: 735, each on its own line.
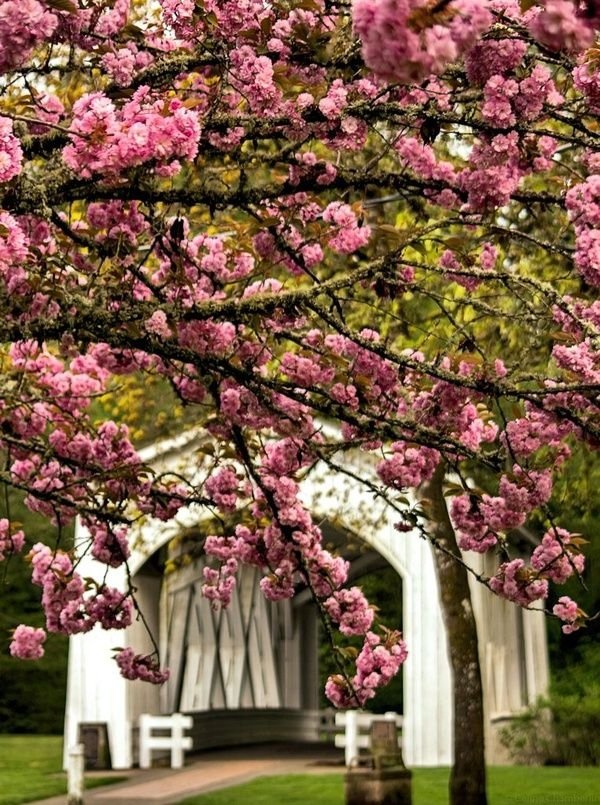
x: 326, y: 227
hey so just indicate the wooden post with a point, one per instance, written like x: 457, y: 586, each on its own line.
x: 75, y: 774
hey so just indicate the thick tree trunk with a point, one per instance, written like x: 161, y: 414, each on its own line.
x: 468, y: 776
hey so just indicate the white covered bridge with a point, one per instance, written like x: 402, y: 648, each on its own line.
x: 250, y: 673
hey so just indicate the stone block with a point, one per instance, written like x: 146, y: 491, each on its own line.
x: 388, y: 786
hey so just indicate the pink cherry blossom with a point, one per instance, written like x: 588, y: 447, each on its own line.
x: 27, y: 643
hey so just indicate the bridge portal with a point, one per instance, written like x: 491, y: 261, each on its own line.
x: 250, y: 673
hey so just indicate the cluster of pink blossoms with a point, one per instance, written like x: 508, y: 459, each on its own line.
x: 109, y: 544
x: 516, y: 582
x: 289, y: 552
x: 284, y: 560
x: 408, y: 466
x: 10, y: 542
x: 69, y: 606
x: 11, y: 153
x: 479, y: 519
x: 305, y: 371
x: 23, y: 25
x: 123, y: 63
x: 27, y: 643
x: 582, y: 359
x: 568, y: 25
x: 78, y: 452
x: 555, y: 559
x: 587, y: 80
x: 14, y: 253
x: 223, y: 487
x: 537, y: 429
x: 220, y: 583
x: 494, y: 57
x: 115, y: 221
x: 350, y: 609
x: 508, y: 100
x: 105, y: 139
x: 583, y: 204
x: 140, y: 666
x: 407, y: 40
x: 78, y: 457
x: 377, y: 663
x: 253, y: 75
x: 495, y: 168
x: 568, y: 611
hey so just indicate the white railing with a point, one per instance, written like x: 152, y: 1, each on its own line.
x: 175, y: 740
x: 357, y: 725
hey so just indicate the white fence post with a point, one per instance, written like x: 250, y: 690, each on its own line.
x: 177, y: 724
x: 145, y: 758
x: 351, y: 752
x: 175, y: 741
x: 75, y: 774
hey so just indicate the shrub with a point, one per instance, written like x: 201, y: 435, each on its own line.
x: 564, y: 728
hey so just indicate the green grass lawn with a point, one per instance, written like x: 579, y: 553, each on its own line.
x: 31, y: 768
x: 508, y: 785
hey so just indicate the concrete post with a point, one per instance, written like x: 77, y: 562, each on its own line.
x: 75, y: 775
x: 391, y: 786
x: 385, y: 781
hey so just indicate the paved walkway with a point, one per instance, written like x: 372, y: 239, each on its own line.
x: 209, y: 771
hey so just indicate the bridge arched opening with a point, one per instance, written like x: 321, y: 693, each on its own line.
x: 255, y: 670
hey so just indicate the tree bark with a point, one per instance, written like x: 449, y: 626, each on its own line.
x: 468, y: 775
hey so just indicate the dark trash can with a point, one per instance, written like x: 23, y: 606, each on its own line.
x: 94, y: 737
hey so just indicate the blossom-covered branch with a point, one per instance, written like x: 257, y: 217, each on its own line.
x: 384, y: 215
